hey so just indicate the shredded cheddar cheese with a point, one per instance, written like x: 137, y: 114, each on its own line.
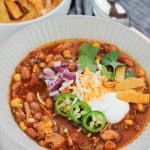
x: 88, y: 85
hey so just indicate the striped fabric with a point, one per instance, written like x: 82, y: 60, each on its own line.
x: 138, y: 11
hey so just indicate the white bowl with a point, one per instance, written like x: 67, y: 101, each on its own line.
x: 6, y: 29
x: 30, y: 37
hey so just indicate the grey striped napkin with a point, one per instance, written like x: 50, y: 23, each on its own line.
x: 138, y: 11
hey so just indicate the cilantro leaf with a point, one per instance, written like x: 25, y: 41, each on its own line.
x: 130, y: 74
x: 85, y: 62
x: 110, y: 59
x: 108, y: 74
x: 87, y: 57
x: 89, y: 50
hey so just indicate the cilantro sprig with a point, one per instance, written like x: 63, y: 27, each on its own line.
x: 109, y: 62
x: 108, y: 74
x: 130, y: 74
x: 87, y: 56
x: 110, y: 59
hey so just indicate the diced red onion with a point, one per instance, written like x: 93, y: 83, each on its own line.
x: 48, y: 71
x: 64, y: 65
x: 49, y: 83
x: 54, y: 93
x: 66, y: 84
x: 57, y: 63
x: 69, y: 75
x: 56, y: 84
x: 59, y: 69
x: 41, y: 76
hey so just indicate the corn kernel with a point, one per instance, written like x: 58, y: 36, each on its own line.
x: 35, y: 68
x: 98, y: 58
x: 140, y: 72
x: 17, y: 77
x: 71, y: 87
x: 140, y: 107
x: 67, y: 54
x: 47, y: 130
x: 48, y: 124
x: 41, y: 55
x: 50, y: 64
x: 129, y: 122
x: 96, y: 44
x: 22, y: 126
x: 16, y: 102
x: 42, y: 65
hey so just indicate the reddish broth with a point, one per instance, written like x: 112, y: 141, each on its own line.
x: 63, y: 128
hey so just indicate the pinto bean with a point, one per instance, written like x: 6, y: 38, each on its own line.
x: 35, y: 106
x: 100, y: 147
x: 30, y: 96
x: 20, y: 115
x: 63, y: 46
x: 48, y: 58
x: 65, y: 91
x: 16, y: 86
x: 38, y: 116
x: 109, y: 145
x: 110, y: 135
x: 32, y: 133
x: 123, y: 58
x: 45, y: 118
x: 49, y: 103
x: 72, y: 67
x: 108, y: 47
x: 42, y: 143
x: 25, y: 73
x: 58, y: 57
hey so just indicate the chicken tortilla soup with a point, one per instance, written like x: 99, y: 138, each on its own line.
x: 80, y: 94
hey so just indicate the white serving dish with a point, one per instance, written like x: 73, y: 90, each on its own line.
x: 30, y: 37
x: 6, y: 29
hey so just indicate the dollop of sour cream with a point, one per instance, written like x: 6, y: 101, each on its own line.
x: 114, y: 109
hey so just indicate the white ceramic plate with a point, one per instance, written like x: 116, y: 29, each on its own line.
x: 14, y: 50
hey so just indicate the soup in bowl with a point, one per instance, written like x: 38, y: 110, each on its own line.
x: 78, y: 92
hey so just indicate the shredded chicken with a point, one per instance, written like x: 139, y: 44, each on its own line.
x: 109, y: 145
x: 45, y: 110
x: 40, y: 99
x: 55, y: 140
x: 69, y: 139
x: 110, y: 135
x: 27, y: 110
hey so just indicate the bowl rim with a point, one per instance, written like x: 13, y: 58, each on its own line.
x: 36, y: 19
x: 66, y: 17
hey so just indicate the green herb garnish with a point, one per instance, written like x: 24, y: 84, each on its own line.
x: 108, y: 74
x: 87, y: 57
x: 110, y: 59
x: 130, y: 74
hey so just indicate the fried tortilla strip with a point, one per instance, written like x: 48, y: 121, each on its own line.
x: 130, y: 83
x: 38, y: 5
x: 4, y: 17
x: 47, y: 4
x: 30, y: 15
x: 13, y: 9
x: 133, y: 96
x: 120, y: 73
x: 23, y: 3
